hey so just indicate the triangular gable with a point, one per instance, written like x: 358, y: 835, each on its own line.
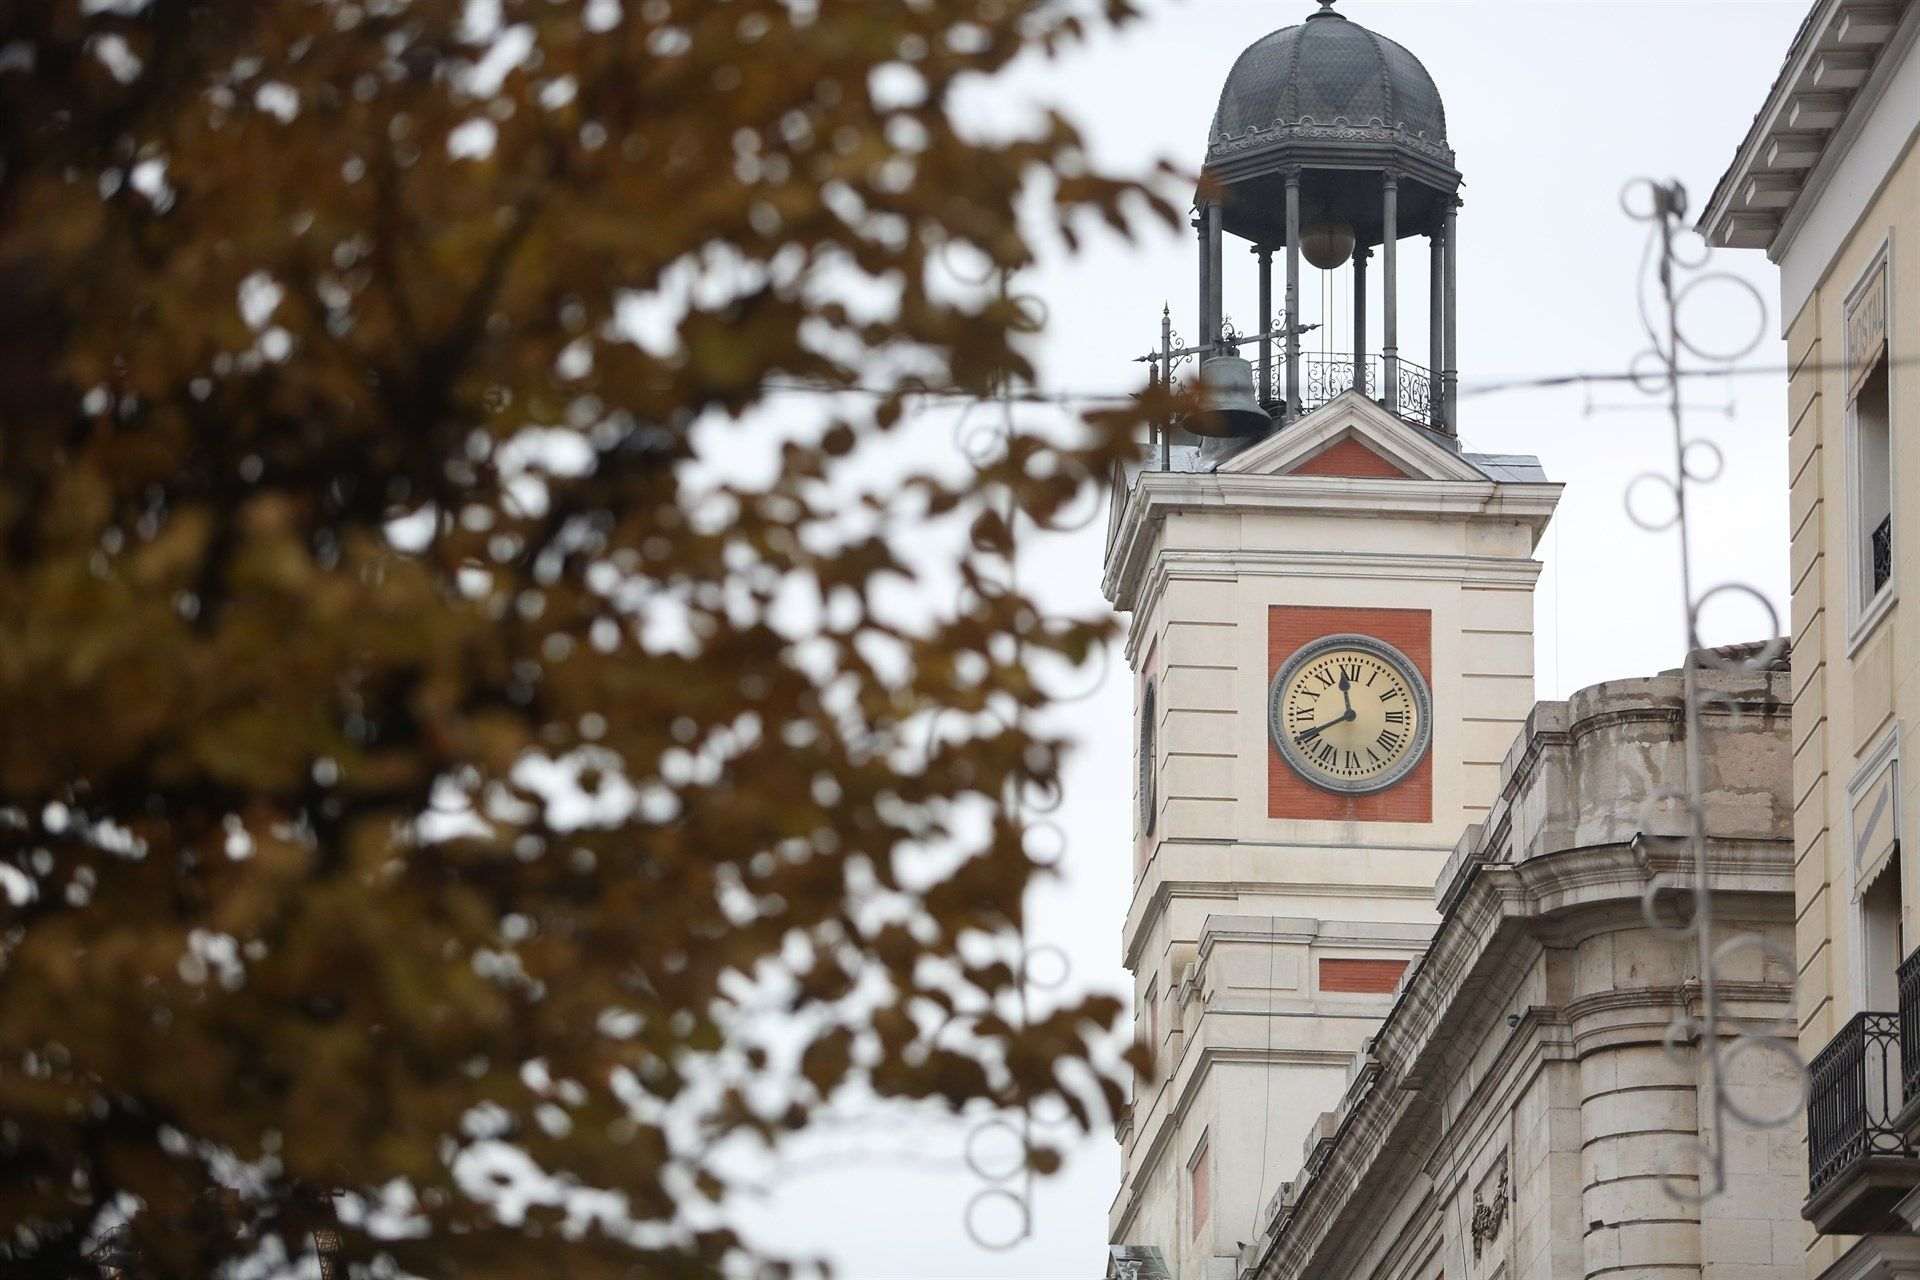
x: 1351, y: 460
x: 1347, y: 433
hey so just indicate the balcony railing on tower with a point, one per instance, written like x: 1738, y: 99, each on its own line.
x: 1411, y: 391
x: 1859, y: 1161
x: 1324, y: 375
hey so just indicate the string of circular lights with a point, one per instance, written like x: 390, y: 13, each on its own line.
x: 1674, y: 271
x: 999, y: 1148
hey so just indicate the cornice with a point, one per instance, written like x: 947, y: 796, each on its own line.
x: 1143, y: 915
x: 1763, y: 201
x: 1199, y: 564
x: 1156, y: 494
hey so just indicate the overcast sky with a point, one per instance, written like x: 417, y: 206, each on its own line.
x: 1551, y: 107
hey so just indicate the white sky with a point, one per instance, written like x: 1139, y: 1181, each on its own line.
x: 1551, y: 106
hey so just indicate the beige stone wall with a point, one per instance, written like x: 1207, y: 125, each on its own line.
x: 1852, y: 686
x: 1232, y: 908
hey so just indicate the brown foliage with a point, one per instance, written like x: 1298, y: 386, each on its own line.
x: 275, y: 275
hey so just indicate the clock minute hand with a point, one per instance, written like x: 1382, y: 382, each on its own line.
x: 1315, y: 731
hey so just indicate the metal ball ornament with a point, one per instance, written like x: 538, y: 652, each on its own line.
x: 1326, y: 244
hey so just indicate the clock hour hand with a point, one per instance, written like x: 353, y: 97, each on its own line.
x: 1345, y: 696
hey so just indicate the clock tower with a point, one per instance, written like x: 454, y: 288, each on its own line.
x: 1330, y: 606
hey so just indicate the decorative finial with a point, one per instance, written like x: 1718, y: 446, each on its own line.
x: 1325, y: 11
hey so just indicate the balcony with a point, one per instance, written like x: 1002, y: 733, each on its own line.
x: 1860, y: 1162
x: 1880, y: 543
x: 1909, y: 980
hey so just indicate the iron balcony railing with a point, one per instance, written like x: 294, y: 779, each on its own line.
x: 1324, y: 375
x: 1910, y: 1026
x: 1881, y: 541
x: 1855, y: 1098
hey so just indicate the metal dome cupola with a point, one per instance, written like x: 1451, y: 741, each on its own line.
x: 1330, y: 141
x: 1331, y: 96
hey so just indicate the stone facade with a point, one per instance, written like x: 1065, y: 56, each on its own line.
x: 1250, y: 907
x: 1827, y: 181
x: 1519, y: 1113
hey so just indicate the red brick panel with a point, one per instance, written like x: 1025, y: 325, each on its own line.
x: 1350, y: 459
x: 1368, y: 977
x: 1291, y: 796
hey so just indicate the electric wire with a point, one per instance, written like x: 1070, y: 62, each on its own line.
x: 1546, y: 382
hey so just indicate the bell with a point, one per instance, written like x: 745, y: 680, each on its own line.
x: 1228, y: 404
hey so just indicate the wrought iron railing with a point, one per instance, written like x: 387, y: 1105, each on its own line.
x: 1909, y: 977
x: 1855, y: 1098
x: 1881, y: 541
x: 1324, y: 375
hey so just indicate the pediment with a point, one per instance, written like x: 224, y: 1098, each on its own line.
x: 1351, y: 436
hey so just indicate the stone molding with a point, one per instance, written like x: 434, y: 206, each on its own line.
x: 1338, y: 129
x: 1475, y: 954
x: 1555, y: 733
x: 1155, y: 494
x: 1144, y: 914
x: 1890, y: 1257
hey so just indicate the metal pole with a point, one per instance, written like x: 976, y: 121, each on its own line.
x: 1216, y: 307
x: 1390, y: 346
x: 1206, y: 284
x: 1293, y: 295
x: 1450, y: 376
x: 1266, y: 324
x: 1360, y: 256
x: 1436, y: 320
x: 1166, y: 384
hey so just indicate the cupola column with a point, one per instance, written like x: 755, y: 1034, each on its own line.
x: 1450, y: 374
x: 1436, y: 320
x: 1206, y: 280
x: 1390, y: 345
x: 1216, y: 275
x: 1293, y: 294
x: 1360, y: 256
x: 1265, y: 254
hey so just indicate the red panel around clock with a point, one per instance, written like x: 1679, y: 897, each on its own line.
x: 1291, y: 796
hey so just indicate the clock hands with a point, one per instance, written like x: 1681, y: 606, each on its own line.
x: 1348, y: 714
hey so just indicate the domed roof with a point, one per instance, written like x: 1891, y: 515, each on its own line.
x: 1329, y: 72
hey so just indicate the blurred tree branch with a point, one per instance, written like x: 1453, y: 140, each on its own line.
x: 406, y: 775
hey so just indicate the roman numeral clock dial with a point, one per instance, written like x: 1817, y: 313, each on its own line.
x: 1350, y: 713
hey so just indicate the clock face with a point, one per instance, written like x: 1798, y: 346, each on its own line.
x: 1350, y: 713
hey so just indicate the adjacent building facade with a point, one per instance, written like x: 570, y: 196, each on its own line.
x: 1828, y: 183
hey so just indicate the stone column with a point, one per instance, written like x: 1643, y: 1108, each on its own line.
x: 1293, y: 295
x: 1390, y: 344
x: 1639, y: 1108
x: 1360, y: 256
